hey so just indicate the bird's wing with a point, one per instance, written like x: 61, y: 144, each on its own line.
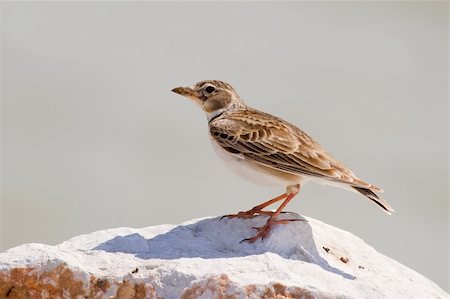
x: 275, y: 143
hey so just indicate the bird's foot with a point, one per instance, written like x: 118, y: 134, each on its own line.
x: 243, y: 215
x: 251, y: 214
x: 264, y: 230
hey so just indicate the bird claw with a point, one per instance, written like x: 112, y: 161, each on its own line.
x: 247, y: 214
x: 286, y: 221
x: 242, y: 215
x: 263, y: 231
x: 252, y: 214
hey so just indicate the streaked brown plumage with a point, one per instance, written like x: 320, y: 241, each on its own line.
x: 270, y: 148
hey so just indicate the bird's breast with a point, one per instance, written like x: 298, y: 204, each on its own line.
x: 253, y: 171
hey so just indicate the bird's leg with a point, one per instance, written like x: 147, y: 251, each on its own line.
x: 263, y: 231
x: 257, y: 209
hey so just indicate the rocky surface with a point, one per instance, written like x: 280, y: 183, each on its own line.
x: 204, y: 258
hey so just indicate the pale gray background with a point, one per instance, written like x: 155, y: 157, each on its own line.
x: 93, y: 138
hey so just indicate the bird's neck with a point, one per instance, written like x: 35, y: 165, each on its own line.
x: 217, y: 113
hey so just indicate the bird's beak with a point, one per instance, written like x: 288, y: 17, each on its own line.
x: 187, y: 92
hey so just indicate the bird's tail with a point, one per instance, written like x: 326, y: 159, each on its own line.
x: 375, y: 198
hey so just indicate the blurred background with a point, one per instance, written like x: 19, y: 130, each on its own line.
x: 92, y: 137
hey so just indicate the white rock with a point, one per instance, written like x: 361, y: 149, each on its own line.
x: 204, y: 258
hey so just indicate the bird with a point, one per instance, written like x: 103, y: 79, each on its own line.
x: 270, y: 151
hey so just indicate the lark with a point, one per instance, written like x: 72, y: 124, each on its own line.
x: 270, y: 151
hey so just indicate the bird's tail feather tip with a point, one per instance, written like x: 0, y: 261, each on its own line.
x: 376, y: 199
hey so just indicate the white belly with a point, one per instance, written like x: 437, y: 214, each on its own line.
x: 254, y: 171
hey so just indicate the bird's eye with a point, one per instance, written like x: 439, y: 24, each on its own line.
x: 210, y: 89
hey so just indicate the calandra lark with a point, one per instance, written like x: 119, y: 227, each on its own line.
x: 269, y: 150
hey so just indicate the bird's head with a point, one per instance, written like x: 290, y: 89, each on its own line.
x: 213, y: 96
